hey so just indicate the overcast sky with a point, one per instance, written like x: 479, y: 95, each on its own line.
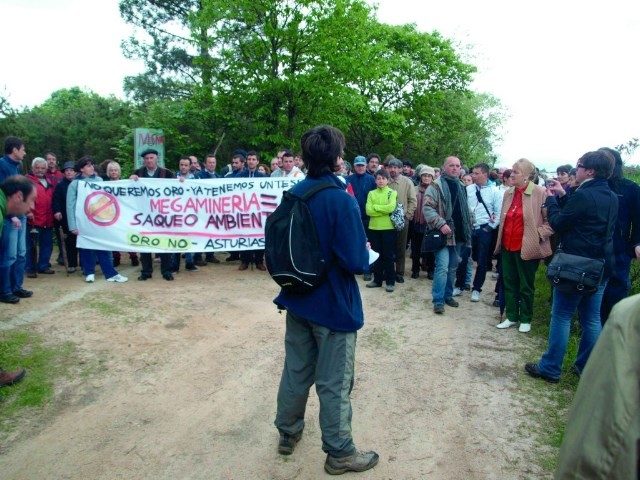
x: 566, y: 71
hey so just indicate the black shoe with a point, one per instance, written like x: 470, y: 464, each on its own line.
x: 22, y: 293
x: 287, y: 443
x: 451, y: 302
x: 201, y: 263
x: 213, y: 260
x: 415, y: 275
x: 143, y: 277
x: 135, y: 262
x: 48, y: 271
x: 430, y: 275
x: 357, y: 462
x: 32, y: 275
x: 399, y: 278
x: 367, y: 277
x: 167, y: 276
x: 9, y: 298
x: 439, y: 309
x: 532, y: 369
x: 190, y: 267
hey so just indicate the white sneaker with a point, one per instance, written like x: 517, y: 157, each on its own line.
x: 117, y: 278
x: 475, y: 296
x: 90, y: 278
x: 456, y: 292
x: 524, y: 327
x: 506, y: 323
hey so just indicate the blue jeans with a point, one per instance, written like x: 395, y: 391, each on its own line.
x: 44, y: 244
x: 13, y: 250
x: 88, y: 262
x: 447, y: 259
x: 562, y: 310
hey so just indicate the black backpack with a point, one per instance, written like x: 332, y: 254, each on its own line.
x: 292, y: 249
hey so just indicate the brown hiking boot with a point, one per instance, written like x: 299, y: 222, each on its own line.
x: 9, y: 378
x: 357, y: 462
x: 261, y: 267
x: 243, y: 266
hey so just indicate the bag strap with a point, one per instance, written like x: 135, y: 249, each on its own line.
x: 312, y: 191
x: 479, y: 196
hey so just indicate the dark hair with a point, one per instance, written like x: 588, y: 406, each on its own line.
x: 600, y: 162
x: 617, y: 174
x: 407, y: 163
x: 83, y: 162
x: 17, y: 183
x: 507, y: 173
x: 52, y: 154
x: 563, y: 169
x: 287, y: 153
x: 184, y: 157
x: 482, y: 166
x: 254, y: 153
x: 209, y: 155
x: 10, y: 143
x: 382, y: 173
x: 321, y: 147
x: 240, y: 156
x: 373, y: 155
x: 572, y: 172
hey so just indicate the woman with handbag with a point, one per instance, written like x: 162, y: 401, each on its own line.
x: 418, y: 226
x: 582, y: 264
x: 523, y: 240
x: 381, y: 202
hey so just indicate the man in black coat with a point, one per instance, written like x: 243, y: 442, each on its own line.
x: 60, y: 215
x: 150, y: 169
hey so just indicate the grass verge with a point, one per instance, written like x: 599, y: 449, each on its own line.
x: 44, y: 364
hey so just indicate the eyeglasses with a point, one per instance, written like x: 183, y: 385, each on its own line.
x: 580, y: 165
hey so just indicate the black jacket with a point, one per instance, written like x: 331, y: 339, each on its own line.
x: 60, y: 202
x: 627, y: 233
x: 159, y: 173
x: 585, y: 221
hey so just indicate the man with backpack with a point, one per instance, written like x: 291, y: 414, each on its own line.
x: 323, y: 317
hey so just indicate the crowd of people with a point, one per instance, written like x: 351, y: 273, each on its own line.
x: 503, y: 222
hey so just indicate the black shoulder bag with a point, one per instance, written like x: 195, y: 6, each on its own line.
x: 573, y: 274
x: 433, y: 240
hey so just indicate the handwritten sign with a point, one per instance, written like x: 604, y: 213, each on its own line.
x: 144, y: 138
x: 160, y: 215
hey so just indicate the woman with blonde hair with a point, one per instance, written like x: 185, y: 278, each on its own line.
x: 523, y: 240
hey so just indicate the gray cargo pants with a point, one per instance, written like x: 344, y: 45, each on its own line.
x: 315, y: 354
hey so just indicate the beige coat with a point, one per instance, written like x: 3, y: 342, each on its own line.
x: 535, y: 240
x: 406, y: 194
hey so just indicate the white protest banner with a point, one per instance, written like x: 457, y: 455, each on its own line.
x: 165, y: 215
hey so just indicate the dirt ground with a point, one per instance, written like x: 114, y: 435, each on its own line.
x: 178, y: 380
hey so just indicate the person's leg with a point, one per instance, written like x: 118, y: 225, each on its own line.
x: 483, y: 253
x: 31, y: 264
x: 564, y: 305
x: 429, y: 262
x: 116, y: 259
x: 72, y: 250
x: 461, y: 271
x: 334, y: 380
x: 511, y: 284
x: 165, y: 264
x: 440, y: 275
x: 416, y: 244
x: 258, y: 257
x: 375, y: 238
x: 245, y: 259
x: 8, y: 253
x: 389, y: 246
x: 87, y: 261
x: 106, y: 264
x: 147, y: 265
x: 298, y: 374
x: 401, y: 249
x: 589, y: 316
x: 527, y: 280
x: 46, y: 249
x: 454, y: 258
x: 618, y: 286
x: 17, y: 269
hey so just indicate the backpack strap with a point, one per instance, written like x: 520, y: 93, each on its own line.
x: 312, y: 191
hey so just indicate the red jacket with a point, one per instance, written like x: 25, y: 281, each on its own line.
x: 43, y: 206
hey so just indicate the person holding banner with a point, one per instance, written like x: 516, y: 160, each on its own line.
x: 150, y: 169
x: 252, y: 256
x: 85, y: 167
x: 209, y: 173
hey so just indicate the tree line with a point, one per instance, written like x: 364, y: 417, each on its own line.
x: 256, y: 74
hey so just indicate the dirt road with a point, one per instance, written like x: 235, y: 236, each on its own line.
x: 178, y: 380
